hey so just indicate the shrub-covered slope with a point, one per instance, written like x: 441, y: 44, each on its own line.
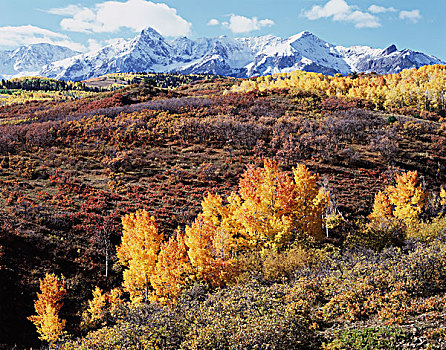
x: 70, y: 170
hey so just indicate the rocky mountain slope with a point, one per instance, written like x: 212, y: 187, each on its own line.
x: 239, y: 57
x: 29, y: 60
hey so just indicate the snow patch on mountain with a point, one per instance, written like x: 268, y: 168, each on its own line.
x: 239, y: 57
x: 142, y: 53
x: 387, y: 61
x: 29, y: 60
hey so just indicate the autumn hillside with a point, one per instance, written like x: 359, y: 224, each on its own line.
x: 293, y: 211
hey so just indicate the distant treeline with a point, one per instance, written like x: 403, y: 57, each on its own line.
x: 45, y: 84
x: 162, y: 80
x: 423, y: 89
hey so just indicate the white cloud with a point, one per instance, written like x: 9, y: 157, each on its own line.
x: 25, y: 35
x: 111, y: 16
x: 413, y: 16
x: 70, y: 10
x: 381, y: 9
x: 363, y: 20
x: 339, y: 10
x: 213, y: 22
x: 335, y: 8
x: 242, y: 24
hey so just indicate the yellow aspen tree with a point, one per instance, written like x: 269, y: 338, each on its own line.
x: 443, y: 196
x: 311, y: 202
x: 199, y: 237
x: 210, y: 251
x: 114, y: 301
x: 95, y: 314
x: 173, y: 270
x: 211, y: 240
x: 138, y: 252
x: 403, y: 201
x: 267, y: 204
x: 51, y: 326
x: 276, y: 209
x: 101, y: 306
x: 224, y: 219
x: 382, y: 208
x: 407, y: 197
x: 47, y: 306
x: 382, y: 218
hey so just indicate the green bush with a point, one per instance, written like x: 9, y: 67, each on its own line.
x: 274, y: 266
x: 428, y: 231
x: 391, y: 119
x: 377, y: 236
x: 251, y: 317
x: 373, y: 338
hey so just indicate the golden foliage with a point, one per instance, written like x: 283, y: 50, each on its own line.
x: 50, y: 325
x: 114, y: 299
x: 404, y: 201
x: 275, y: 210
x: 139, y: 251
x: 96, y: 311
x: 210, y: 250
x: 102, y: 305
x: 443, y: 197
x: 423, y: 88
x: 47, y: 307
x: 271, y: 210
x: 266, y: 208
x: 382, y: 208
x: 310, y: 202
x: 172, y: 271
x: 407, y: 197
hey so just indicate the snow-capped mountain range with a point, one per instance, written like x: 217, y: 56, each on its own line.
x: 29, y: 60
x: 239, y: 57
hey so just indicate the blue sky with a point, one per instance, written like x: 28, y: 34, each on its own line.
x: 84, y: 25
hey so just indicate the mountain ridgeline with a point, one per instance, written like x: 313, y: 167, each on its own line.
x: 238, y: 57
x: 29, y: 60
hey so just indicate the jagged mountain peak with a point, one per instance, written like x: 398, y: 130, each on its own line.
x: 42, y: 49
x: 240, y: 57
x: 391, y: 49
x: 150, y: 36
x: 304, y: 35
x: 29, y: 59
x: 150, y: 32
x: 182, y: 39
x: 146, y: 52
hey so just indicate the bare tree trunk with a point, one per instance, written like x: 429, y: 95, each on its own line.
x: 106, y: 262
